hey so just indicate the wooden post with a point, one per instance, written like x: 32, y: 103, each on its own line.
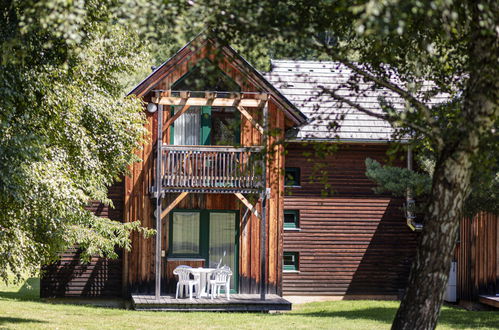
x: 157, y: 257
x: 263, y: 234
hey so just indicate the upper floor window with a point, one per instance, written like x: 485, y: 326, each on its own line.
x: 290, y: 262
x: 206, y: 76
x: 206, y: 126
x: 292, y: 176
x: 291, y: 219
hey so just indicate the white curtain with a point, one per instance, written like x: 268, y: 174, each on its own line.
x: 223, y: 241
x: 187, y: 127
x: 185, y: 238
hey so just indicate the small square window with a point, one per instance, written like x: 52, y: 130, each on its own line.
x: 292, y: 176
x: 291, y: 219
x: 290, y: 262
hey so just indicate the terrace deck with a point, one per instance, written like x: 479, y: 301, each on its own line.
x: 237, y: 303
x: 490, y: 300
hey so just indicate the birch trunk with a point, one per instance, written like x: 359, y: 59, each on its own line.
x: 421, y: 304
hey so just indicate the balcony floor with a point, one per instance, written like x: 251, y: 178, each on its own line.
x: 237, y: 303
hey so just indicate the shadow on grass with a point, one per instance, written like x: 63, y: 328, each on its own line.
x: 4, y: 320
x: 459, y: 318
x: 380, y: 314
x: 452, y: 317
x: 29, y: 291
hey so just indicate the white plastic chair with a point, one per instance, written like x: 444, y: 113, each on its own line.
x: 184, y: 281
x: 220, y: 278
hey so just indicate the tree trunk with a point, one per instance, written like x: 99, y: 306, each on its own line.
x: 421, y: 304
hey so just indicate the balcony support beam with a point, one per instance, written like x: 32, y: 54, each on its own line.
x: 248, y: 205
x: 250, y: 118
x: 170, y: 207
x: 175, y: 116
x: 157, y: 256
x: 265, y: 195
x: 201, y: 101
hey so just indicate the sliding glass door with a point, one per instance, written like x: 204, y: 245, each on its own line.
x: 207, y: 234
x: 222, y: 242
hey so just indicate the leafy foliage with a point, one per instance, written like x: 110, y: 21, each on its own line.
x: 67, y: 132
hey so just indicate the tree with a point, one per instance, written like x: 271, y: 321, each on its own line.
x: 67, y: 132
x: 416, y: 50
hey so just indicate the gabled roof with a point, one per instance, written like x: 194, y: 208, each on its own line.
x: 196, y: 45
x: 301, y: 82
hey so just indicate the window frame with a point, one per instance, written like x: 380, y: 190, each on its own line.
x: 297, y: 176
x: 296, y: 264
x: 296, y: 224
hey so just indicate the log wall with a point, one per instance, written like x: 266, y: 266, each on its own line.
x: 101, y: 277
x: 477, y: 256
x: 353, y: 241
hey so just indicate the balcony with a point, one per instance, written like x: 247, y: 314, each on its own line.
x: 211, y: 169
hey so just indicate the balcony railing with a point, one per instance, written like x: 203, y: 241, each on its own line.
x: 211, y: 167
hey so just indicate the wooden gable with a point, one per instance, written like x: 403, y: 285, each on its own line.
x: 203, y: 49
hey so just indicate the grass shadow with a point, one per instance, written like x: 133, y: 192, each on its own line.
x: 380, y: 314
x: 4, y: 320
x: 29, y: 291
x: 452, y: 317
x: 460, y: 318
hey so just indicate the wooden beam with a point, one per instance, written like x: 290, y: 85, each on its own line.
x: 248, y: 204
x: 176, y: 115
x: 248, y: 116
x: 170, y: 207
x: 201, y: 101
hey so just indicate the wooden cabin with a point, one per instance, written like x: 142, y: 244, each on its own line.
x: 220, y: 190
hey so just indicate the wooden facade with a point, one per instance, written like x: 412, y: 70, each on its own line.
x: 353, y: 242
x: 101, y: 277
x: 139, y: 263
x: 477, y: 256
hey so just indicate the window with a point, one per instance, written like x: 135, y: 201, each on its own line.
x: 192, y: 128
x: 211, y: 235
x: 185, y: 225
x: 292, y: 176
x: 291, y: 219
x: 290, y: 262
x: 206, y: 125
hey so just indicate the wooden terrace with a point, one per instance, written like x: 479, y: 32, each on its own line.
x: 237, y: 303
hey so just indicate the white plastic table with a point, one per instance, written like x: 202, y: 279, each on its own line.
x: 203, y: 274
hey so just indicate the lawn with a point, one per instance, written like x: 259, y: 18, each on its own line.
x: 20, y: 307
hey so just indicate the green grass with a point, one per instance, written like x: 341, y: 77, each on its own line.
x: 20, y: 307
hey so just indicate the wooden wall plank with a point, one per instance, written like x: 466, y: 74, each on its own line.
x: 477, y: 257
x: 352, y: 242
x: 101, y: 277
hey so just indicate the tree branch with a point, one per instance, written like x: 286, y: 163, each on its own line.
x: 433, y: 131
